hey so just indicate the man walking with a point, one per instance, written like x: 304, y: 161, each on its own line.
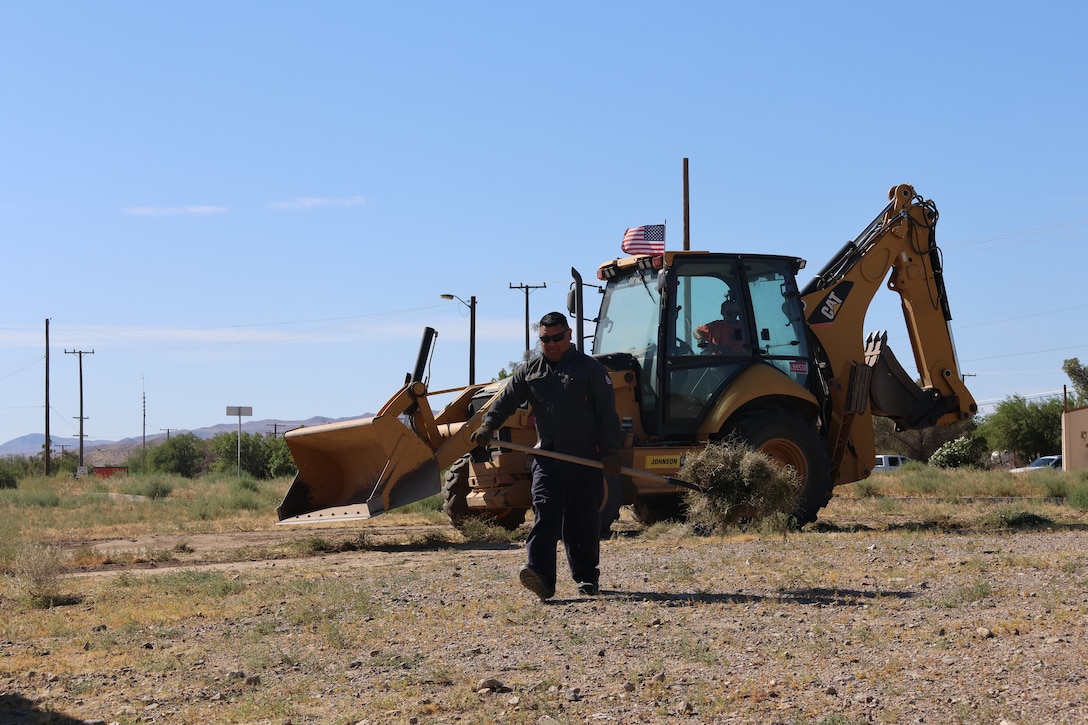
x: 575, y: 410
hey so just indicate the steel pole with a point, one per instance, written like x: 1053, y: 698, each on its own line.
x: 472, y: 340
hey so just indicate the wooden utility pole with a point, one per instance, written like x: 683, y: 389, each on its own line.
x: 528, y: 288
x: 48, y: 443
x: 81, y: 353
x: 687, y: 211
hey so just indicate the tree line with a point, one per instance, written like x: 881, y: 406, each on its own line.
x: 184, y: 454
x: 1025, y: 429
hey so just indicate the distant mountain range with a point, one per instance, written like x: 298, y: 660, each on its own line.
x: 103, y: 453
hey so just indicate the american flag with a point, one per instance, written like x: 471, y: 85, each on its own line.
x: 649, y: 239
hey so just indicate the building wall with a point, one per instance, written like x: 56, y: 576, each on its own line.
x: 1075, y: 439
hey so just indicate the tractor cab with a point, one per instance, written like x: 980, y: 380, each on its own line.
x: 688, y: 323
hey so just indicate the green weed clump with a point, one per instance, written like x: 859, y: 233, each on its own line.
x: 922, y: 480
x: 428, y: 509
x: 1012, y: 517
x: 202, y: 583
x: 1077, y: 496
x: 740, y: 484
x: 866, y: 488
x: 150, y: 487
x: 967, y: 594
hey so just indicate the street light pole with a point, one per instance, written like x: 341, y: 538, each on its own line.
x: 471, y: 305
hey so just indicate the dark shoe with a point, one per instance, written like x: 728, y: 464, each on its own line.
x: 588, y: 589
x: 535, y: 583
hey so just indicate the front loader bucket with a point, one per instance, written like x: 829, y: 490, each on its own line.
x: 357, y: 469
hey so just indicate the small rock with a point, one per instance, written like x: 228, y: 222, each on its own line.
x: 489, y: 684
x: 831, y: 690
x: 253, y: 680
x: 984, y: 633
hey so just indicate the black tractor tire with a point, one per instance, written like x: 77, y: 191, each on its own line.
x: 789, y: 439
x: 650, y: 510
x: 455, y: 491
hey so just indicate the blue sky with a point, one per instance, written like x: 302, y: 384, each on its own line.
x: 259, y: 203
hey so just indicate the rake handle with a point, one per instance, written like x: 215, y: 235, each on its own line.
x: 632, y: 472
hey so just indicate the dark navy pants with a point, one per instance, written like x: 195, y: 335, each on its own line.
x: 566, y: 502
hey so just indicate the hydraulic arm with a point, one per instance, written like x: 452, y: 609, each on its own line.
x: 863, y: 375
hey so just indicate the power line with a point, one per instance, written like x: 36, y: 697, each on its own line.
x: 1032, y: 235
x: 1029, y: 352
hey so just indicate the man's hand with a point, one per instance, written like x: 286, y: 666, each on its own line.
x: 611, y: 464
x: 482, y: 435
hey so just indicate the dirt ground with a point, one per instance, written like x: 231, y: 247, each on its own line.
x: 842, y: 624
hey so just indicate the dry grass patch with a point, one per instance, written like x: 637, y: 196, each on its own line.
x: 37, y: 574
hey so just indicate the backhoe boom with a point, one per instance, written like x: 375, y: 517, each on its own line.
x: 866, y: 379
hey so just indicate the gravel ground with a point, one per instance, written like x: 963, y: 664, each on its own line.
x: 822, y: 627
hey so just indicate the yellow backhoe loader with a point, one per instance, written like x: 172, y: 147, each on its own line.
x: 700, y: 346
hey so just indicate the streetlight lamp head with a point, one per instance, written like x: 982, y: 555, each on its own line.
x: 471, y: 305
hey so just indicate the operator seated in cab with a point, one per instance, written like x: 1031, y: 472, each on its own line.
x: 726, y: 336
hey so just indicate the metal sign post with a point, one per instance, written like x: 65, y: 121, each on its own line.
x: 239, y: 410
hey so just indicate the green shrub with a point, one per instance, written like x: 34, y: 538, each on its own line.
x: 866, y: 488
x: 959, y: 453
x: 1078, y: 495
x: 245, y: 483
x: 8, y: 479
x: 43, y: 497
x: 182, y: 455
x: 1056, y: 485
x: 923, y: 481
x: 150, y: 487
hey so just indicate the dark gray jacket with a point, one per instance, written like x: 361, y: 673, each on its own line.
x: 572, y: 400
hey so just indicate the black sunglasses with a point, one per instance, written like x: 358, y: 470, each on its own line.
x: 554, y: 338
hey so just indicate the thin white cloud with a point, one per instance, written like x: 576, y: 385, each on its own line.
x: 406, y: 323
x: 313, y: 202
x: 174, y: 210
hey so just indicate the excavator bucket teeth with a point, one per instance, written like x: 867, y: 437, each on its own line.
x: 356, y: 469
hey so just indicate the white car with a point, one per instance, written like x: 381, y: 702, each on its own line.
x: 886, y: 462
x: 1041, y: 464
